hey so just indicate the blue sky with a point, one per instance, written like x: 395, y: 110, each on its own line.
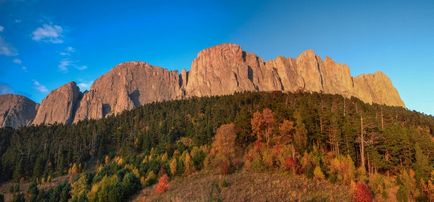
x: 44, y: 44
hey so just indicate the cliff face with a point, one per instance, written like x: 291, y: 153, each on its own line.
x: 127, y: 86
x: 59, y: 106
x: 16, y: 111
x: 225, y: 69
x: 376, y: 88
x: 219, y: 70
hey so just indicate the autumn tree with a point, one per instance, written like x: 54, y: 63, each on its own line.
x: 163, y: 184
x: 263, y: 125
x: 224, y: 149
x: 79, y: 188
x: 362, y: 193
x: 286, y: 131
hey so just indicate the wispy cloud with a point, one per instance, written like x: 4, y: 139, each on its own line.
x: 64, y: 65
x: 39, y: 87
x: 80, y: 67
x: 85, y: 85
x: 2, y: 28
x: 68, y: 51
x: 6, y: 49
x: 20, y: 63
x: 48, y: 33
x: 17, y: 61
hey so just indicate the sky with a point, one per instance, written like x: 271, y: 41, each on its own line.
x: 45, y: 44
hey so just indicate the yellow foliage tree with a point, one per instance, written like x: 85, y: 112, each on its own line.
x: 173, y: 165
x: 318, y: 174
x: 188, y: 163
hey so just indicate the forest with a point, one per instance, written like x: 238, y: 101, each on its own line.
x: 370, y: 148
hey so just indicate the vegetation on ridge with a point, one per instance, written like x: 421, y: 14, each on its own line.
x: 376, y: 150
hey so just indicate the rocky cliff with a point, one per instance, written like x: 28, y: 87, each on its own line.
x: 127, y: 86
x: 219, y: 70
x: 16, y: 111
x: 226, y: 69
x: 59, y: 106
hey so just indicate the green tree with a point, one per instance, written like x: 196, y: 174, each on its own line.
x: 422, y: 166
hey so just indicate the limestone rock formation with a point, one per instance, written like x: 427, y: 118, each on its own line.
x: 127, y: 86
x: 16, y: 111
x: 220, y: 70
x: 59, y: 106
x: 226, y: 69
x: 376, y: 88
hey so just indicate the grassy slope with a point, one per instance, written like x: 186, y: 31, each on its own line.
x: 247, y: 187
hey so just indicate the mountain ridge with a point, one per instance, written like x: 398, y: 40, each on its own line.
x: 219, y: 70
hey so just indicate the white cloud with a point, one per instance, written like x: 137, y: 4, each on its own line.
x: 64, y: 65
x: 68, y: 51
x: 17, y: 61
x: 84, y: 85
x: 81, y: 67
x: 6, y: 49
x: 48, y: 33
x: 39, y: 87
x: 2, y: 28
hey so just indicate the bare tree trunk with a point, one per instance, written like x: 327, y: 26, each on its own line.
x: 345, y: 111
x: 362, y: 143
x: 382, y: 119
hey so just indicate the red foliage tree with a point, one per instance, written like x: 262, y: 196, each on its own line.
x: 163, y: 184
x: 362, y: 193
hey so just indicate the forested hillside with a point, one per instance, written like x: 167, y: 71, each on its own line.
x: 371, y: 148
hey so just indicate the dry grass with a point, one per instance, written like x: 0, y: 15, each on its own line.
x: 247, y: 187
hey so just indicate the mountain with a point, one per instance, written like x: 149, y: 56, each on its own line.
x: 16, y: 111
x: 225, y: 69
x: 59, y: 106
x: 127, y: 86
x: 220, y: 70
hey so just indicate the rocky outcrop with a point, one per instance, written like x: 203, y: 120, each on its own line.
x: 219, y: 70
x: 127, y: 86
x: 225, y: 69
x: 376, y: 88
x: 16, y: 111
x: 59, y: 106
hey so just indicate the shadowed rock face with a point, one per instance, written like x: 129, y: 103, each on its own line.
x: 59, y: 106
x: 219, y: 70
x: 16, y: 111
x: 127, y: 86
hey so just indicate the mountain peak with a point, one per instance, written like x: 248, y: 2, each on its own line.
x: 219, y: 70
x: 16, y: 110
x: 59, y: 106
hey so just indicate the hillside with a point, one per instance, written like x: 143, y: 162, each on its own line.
x: 371, y: 148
